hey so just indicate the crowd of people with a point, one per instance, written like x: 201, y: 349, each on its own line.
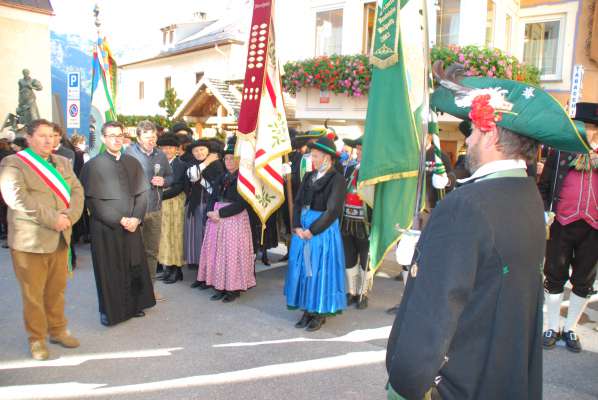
x: 166, y: 204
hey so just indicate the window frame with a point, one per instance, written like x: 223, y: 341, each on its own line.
x: 141, y: 90
x: 321, y: 9
x: 562, y: 19
x: 365, y: 49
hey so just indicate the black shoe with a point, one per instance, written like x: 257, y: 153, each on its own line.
x: 393, y: 310
x: 160, y: 268
x: 196, y: 284
x: 230, y: 297
x: 351, y: 299
x: 549, y: 338
x: 204, y: 286
x: 166, y: 274
x: 265, y: 260
x: 176, y: 275
x: 104, y: 319
x: 362, y: 302
x: 316, y: 323
x: 572, y: 341
x: 139, y: 314
x: 218, y: 296
x: 305, y: 318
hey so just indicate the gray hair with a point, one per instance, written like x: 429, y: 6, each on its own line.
x: 516, y: 146
x: 144, y: 126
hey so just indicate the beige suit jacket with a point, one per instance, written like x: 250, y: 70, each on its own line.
x: 33, y: 208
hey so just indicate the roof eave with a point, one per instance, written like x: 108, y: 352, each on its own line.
x: 185, y: 51
x: 27, y: 8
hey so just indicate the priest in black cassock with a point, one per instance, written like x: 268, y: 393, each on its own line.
x: 470, y: 322
x: 116, y: 192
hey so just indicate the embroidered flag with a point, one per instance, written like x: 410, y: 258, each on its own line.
x: 103, y: 91
x: 389, y: 167
x: 264, y: 135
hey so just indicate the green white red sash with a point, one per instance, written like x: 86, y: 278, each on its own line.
x: 48, y: 174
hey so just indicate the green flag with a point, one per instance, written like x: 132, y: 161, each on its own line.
x: 389, y: 167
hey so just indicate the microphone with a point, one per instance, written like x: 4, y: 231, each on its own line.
x: 156, y: 169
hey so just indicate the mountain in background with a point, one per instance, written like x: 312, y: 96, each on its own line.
x: 71, y: 53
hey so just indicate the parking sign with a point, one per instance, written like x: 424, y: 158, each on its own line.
x: 73, y: 86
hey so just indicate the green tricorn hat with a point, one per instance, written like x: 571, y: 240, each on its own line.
x: 531, y: 112
x: 317, y: 133
x: 353, y: 142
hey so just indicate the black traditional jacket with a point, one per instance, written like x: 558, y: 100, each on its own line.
x: 555, y: 170
x: 326, y: 194
x: 470, y: 321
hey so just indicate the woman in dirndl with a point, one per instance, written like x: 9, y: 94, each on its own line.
x: 227, y: 259
x: 202, y: 173
x: 170, y: 251
x: 315, y: 281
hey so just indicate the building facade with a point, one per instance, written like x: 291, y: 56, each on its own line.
x: 25, y: 44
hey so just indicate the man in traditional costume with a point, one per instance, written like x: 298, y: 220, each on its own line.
x: 170, y: 253
x: 116, y: 190
x: 315, y: 281
x: 159, y: 175
x: 470, y: 322
x: 355, y: 229
x: 44, y: 200
x: 569, y: 187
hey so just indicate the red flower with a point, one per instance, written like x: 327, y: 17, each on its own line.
x: 482, y: 114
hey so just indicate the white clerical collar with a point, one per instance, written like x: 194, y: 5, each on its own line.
x: 493, y: 167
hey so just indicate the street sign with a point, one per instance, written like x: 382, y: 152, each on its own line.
x: 73, y: 114
x: 576, y: 86
x: 73, y: 86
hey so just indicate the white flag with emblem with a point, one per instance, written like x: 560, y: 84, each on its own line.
x: 264, y: 136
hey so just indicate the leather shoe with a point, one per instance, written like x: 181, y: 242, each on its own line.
x: 38, y: 350
x: 316, y: 323
x: 305, y: 318
x: 230, y: 297
x: 362, y: 302
x: 549, y: 339
x: 176, y: 275
x: 351, y: 299
x: 166, y: 274
x: 196, y: 284
x: 393, y: 310
x: 218, y: 296
x: 65, y: 340
x: 139, y: 314
x: 572, y: 341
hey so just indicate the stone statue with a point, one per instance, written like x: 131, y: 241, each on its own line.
x: 27, y: 110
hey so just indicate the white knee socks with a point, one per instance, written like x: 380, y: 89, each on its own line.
x: 553, y: 310
x: 576, y: 307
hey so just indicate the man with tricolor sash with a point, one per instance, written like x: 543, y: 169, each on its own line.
x: 44, y: 200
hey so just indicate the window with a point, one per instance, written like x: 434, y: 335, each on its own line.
x: 447, y: 22
x: 198, y: 76
x: 508, y: 33
x: 329, y: 32
x: 369, y: 16
x: 543, y: 47
x: 141, y: 90
x: 490, y: 17
x: 167, y: 83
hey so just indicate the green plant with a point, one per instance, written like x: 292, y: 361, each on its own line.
x: 482, y: 61
x: 170, y: 103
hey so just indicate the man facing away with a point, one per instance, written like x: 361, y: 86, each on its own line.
x: 116, y: 193
x: 158, y: 173
x: 44, y: 200
x: 470, y: 322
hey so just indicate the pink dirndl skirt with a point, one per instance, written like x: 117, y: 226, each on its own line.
x: 227, y: 259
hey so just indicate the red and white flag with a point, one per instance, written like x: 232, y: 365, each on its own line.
x: 264, y: 135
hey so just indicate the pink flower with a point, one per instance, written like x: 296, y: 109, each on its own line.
x: 461, y: 57
x: 490, y: 74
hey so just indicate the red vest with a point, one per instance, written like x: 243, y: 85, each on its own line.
x: 579, y: 198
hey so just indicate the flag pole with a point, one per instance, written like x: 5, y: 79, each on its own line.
x: 290, y: 195
x: 425, y: 119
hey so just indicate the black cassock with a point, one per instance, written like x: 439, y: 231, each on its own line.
x: 471, y: 316
x: 115, y: 189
